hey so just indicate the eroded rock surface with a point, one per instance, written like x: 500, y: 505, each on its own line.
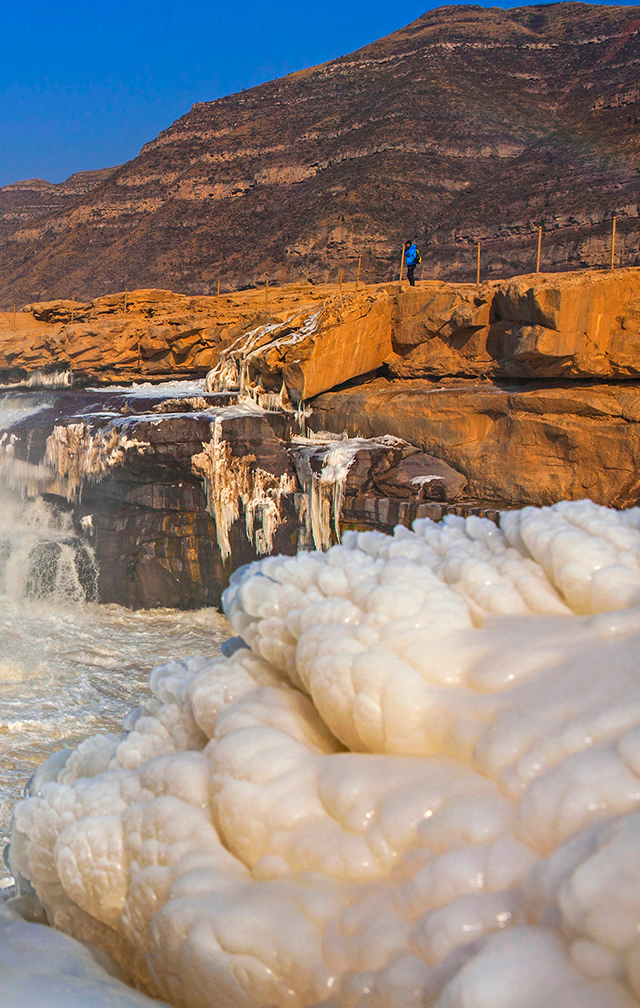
x: 519, y: 443
x: 540, y: 325
x: 135, y: 335
x: 348, y: 335
x: 163, y: 490
x: 161, y: 495
x: 450, y: 397
x: 304, y: 340
x: 470, y: 124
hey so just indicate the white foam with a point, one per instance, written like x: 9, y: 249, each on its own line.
x: 163, y: 390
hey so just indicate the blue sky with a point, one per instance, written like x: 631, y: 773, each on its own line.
x: 85, y: 85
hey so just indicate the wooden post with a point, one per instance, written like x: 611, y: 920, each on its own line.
x: 340, y: 281
x: 539, y: 249
x: 478, y: 267
x: 218, y: 288
x: 401, y: 264
x: 266, y: 293
x: 125, y: 301
x: 73, y: 308
x: 358, y: 273
x: 613, y: 241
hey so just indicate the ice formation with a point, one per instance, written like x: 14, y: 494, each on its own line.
x: 43, y: 379
x: 413, y: 780
x: 238, y: 367
x: 325, y: 488
x: 230, y: 482
x: 76, y: 453
x: 41, y: 968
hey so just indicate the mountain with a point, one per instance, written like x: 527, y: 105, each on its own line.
x: 470, y: 124
x: 22, y: 202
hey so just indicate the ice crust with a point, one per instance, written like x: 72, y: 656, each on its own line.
x: 42, y: 968
x: 418, y: 784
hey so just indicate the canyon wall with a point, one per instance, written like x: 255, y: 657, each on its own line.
x: 470, y: 124
x: 336, y: 409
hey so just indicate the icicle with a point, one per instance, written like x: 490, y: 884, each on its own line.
x: 301, y: 415
x: 305, y: 539
x: 76, y: 455
x: 54, y: 379
x: 233, y: 371
x: 43, y: 379
x: 326, y: 489
x: 230, y: 482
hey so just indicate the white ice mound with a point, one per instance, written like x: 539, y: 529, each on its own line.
x: 418, y: 785
x: 42, y: 968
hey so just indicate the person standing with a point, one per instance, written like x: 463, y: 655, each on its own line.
x: 411, y: 257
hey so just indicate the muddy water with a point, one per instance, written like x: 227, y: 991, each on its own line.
x: 68, y: 670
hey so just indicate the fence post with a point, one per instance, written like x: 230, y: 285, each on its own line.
x: 218, y: 288
x: 73, y: 308
x: 266, y: 293
x: 539, y: 249
x: 613, y: 241
x: 478, y: 267
x: 358, y: 273
x: 125, y: 301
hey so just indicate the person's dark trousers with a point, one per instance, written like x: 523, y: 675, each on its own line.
x: 410, y: 278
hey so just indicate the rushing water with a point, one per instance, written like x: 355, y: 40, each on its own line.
x: 70, y: 670
x: 68, y: 667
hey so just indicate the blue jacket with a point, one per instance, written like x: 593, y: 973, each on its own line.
x: 411, y: 255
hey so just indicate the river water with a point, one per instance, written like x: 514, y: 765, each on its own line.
x: 68, y: 668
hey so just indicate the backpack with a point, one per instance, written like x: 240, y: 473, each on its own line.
x: 418, y: 257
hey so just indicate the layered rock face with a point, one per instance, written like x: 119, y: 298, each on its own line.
x: 166, y: 491
x: 144, y: 334
x: 468, y: 125
x: 310, y: 339
x: 23, y: 202
x: 515, y: 445
x: 509, y: 383
x: 575, y: 325
x: 156, y: 485
x: 359, y: 409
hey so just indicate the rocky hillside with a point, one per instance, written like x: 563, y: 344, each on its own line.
x: 468, y: 125
x: 23, y: 202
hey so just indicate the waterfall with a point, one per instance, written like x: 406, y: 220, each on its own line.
x: 40, y: 554
x: 17, y: 406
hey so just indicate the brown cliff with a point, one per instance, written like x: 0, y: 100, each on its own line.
x: 307, y: 339
x: 136, y: 335
x: 574, y: 325
x: 471, y: 124
x: 528, y: 387
x: 519, y: 392
x: 515, y: 445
